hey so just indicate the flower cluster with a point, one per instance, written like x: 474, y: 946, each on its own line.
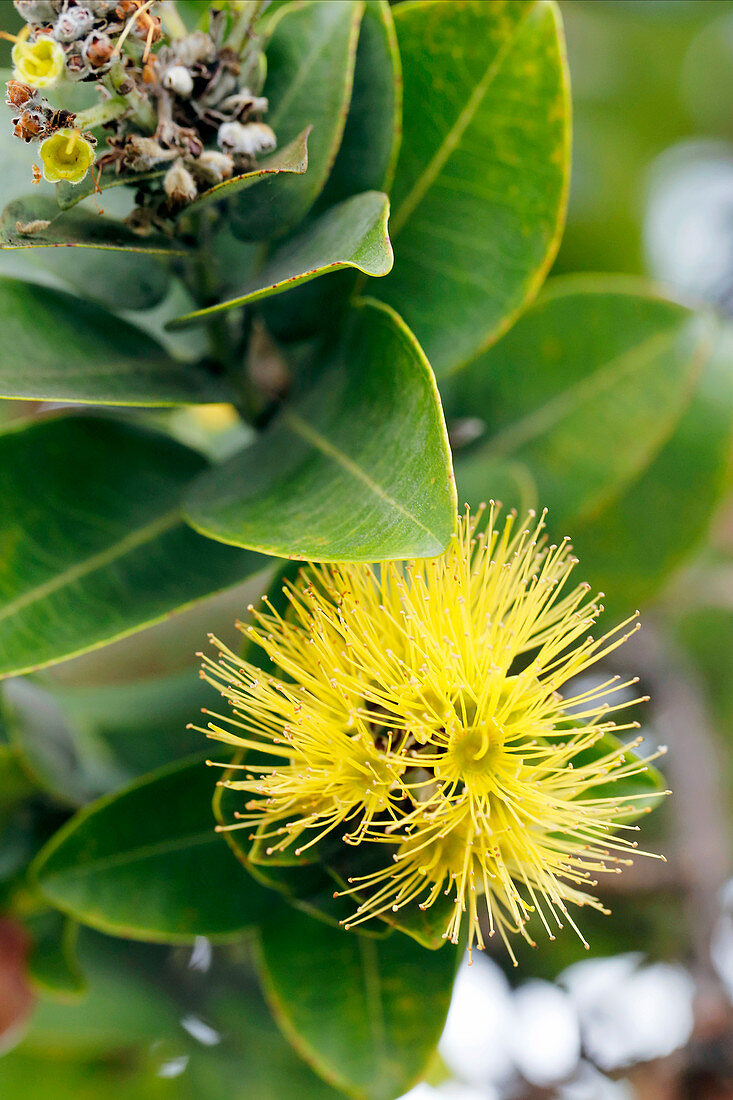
x: 424, y: 707
x: 182, y: 108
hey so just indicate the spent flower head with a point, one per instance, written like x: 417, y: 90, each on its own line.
x: 428, y: 707
x: 186, y: 103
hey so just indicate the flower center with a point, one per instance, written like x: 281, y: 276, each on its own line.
x: 474, y: 756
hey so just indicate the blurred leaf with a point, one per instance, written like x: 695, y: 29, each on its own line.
x: 331, y: 480
x: 292, y: 158
x: 22, y: 1074
x: 71, y: 767
x: 53, y: 966
x: 135, y: 863
x: 92, y: 544
x: 352, y: 234
x: 310, y: 69
x: 367, y: 1014
x: 660, y: 520
x: 368, y: 152
x: 123, y: 1007
x: 480, y: 190
x: 600, y: 356
x: 57, y: 347
x: 73, y: 228
x: 15, y: 785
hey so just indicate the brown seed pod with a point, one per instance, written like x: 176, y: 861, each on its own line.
x: 30, y: 124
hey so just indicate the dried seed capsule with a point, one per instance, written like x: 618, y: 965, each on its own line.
x: 140, y: 154
x: 179, y: 185
x: 194, y: 48
x: 246, y: 139
x: 97, y: 50
x: 19, y: 94
x: 30, y: 124
x: 72, y: 24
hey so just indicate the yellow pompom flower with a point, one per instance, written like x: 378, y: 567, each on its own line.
x: 424, y: 706
x: 66, y: 155
x: 41, y: 63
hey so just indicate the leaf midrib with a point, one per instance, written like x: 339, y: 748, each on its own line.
x: 310, y: 435
x: 135, y: 855
x: 96, y: 561
x: 456, y: 132
x: 541, y: 420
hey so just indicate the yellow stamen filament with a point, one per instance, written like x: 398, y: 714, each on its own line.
x: 423, y: 708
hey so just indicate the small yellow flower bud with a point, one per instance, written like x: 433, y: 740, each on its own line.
x: 66, y: 155
x: 41, y: 63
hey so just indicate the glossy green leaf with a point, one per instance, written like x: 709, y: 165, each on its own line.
x: 332, y: 480
x: 146, y: 863
x: 582, y: 393
x: 310, y: 69
x: 480, y: 189
x: 93, y: 547
x: 367, y: 1014
x: 352, y: 234
x: 23, y: 225
x: 659, y: 522
x: 53, y: 965
x: 371, y: 141
x: 292, y: 159
x: 57, y: 347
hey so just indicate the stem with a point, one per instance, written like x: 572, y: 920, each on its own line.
x: 102, y: 112
x: 171, y: 19
x: 141, y: 109
x: 248, y: 13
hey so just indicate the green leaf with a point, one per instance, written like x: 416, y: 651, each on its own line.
x: 73, y: 769
x: 123, y: 1009
x: 352, y: 234
x: 292, y: 158
x: 82, y: 742
x: 599, y: 356
x: 146, y: 863
x: 366, y: 1014
x: 73, y: 228
x: 480, y: 190
x: 661, y: 519
x: 332, y: 479
x: 368, y: 152
x: 304, y: 881
x: 93, y: 547
x: 15, y: 785
x: 57, y: 347
x: 119, y: 280
x: 53, y: 966
x: 310, y: 69
x: 69, y: 194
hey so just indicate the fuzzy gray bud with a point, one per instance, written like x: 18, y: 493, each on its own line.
x: 36, y: 11
x: 179, y: 185
x: 246, y: 139
x: 194, y: 48
x: 211, y: 167
x: 72, y: 24
x: 178, y: 79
